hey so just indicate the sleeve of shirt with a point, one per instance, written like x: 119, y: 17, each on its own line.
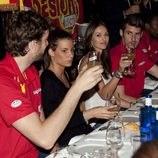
x: 14, y: 104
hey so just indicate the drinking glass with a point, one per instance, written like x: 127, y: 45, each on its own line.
x: 94, y: 59
x: 114, y: 136
x: 111, y: 102
x: 130, y: 56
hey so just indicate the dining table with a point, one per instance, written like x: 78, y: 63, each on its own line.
x: 96, y: 140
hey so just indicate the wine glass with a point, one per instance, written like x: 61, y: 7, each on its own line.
x: 113, y: 107
x: 130, y: 56
x: 137, y: 2
x: 114, y: 136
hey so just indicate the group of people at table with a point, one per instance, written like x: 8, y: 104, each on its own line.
x: 44, y: 111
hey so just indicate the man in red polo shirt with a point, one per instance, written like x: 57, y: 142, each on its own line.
x: 22, y: 123
x: 131, y: 86
x: 150, y: 38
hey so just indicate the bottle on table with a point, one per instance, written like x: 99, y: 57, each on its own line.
x: 154, y: 123
x: 146, y: 117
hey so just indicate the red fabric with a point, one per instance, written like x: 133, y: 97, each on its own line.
x: 150, y: 47
x: 133, y: 86
x: 14, y: 1
x: 63, y: 14
x: 14, y: 105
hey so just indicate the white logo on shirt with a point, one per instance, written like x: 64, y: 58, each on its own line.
x: 37, y: 91
x: 144, y: 50
x: 16, y: 103
x: 142, y: 63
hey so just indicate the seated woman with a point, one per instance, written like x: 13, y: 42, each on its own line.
x: 97, y: 39
x: 55, y: 84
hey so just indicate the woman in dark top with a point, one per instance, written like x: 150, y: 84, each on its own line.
x: 55, y: 84
x: 53, y: 92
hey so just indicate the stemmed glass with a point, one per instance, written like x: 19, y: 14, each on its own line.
x: 110, y: 103
x: 137, y: 2
x: 114, y: 136
x: 130, y: 56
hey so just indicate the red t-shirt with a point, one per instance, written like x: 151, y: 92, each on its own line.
x: 17, y: 102
x: 133, y: 85
x: 150, y: 47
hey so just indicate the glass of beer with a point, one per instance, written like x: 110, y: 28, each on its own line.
x: 111, y: 103
x: 94, y: 59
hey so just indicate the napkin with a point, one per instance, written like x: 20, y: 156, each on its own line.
x: 76, y: 139
x: 150, y: 84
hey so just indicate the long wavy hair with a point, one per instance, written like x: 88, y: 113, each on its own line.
x: 105, y: 58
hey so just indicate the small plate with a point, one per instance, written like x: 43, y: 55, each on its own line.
x: 85, y: 148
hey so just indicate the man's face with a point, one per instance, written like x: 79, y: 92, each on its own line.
x: 131, y: 36
x: 154, y: 27
x: 40, y: 46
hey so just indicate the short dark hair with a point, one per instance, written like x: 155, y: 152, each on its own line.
x: 22, y: 28
x: 133, y: 20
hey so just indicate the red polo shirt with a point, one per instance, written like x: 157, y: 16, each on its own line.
x: 133, y: 86
x: 19, y: 97
x: 150, y: 47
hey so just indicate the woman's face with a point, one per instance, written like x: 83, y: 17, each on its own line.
x: 100, y: 38
x: 64, y: 53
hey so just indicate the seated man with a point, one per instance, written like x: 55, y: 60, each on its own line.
x: 150, y: 38
x: 131, y: 87
x: 22, y: 123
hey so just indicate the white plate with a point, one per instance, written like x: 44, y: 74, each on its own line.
x: 85, y: 148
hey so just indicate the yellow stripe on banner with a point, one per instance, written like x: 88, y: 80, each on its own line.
x: 4, y: 2
x: 21, y: 5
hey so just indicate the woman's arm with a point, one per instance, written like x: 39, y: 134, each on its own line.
x: 100, y: 112
x: 120, y: 90
x: 106, y: 91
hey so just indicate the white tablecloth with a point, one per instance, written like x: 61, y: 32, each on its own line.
x: 95, y: 140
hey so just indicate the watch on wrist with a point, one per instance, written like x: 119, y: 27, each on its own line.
x: 117, y: 74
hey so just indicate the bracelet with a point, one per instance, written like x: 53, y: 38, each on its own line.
x: 117, y: 74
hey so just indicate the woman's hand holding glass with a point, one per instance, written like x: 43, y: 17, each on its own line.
x: 105, y: 112
x: 113, y: 106
x: 94, y: 59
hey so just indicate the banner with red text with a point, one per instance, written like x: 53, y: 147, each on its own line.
x: 63, y: 13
